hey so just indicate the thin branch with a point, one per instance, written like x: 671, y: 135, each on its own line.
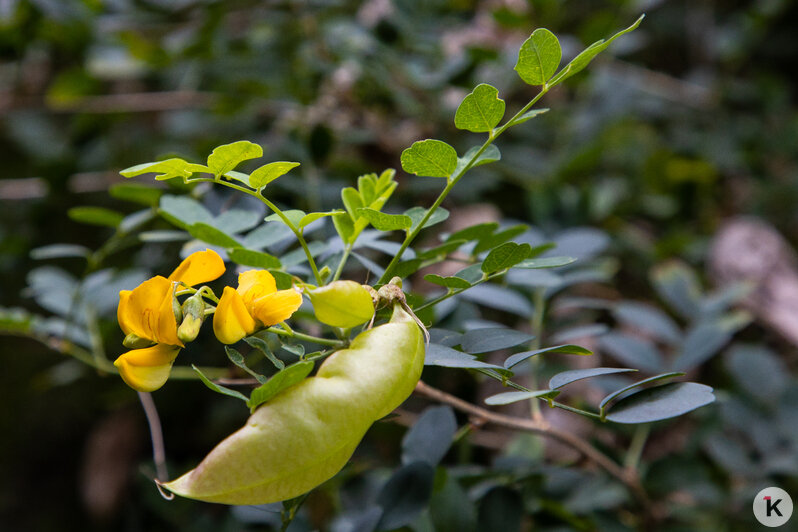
x: 628, y: 478
x: 156, y: 435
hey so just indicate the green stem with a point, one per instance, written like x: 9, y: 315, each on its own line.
x: 632, y: 459
x: 451, y: 182
x: 306, y: 337
x: 339, y: 270
x: 539, y: 302
x: 254, y: 193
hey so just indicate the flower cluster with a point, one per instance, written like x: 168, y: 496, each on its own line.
x: 157, y: 325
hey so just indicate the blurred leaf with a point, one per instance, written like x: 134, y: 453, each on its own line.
x: 507, y: 398
x: 500, y: 298
x: 95, y: 216
x: 385, y: 222
x: 481, y: 110
x: 484, y: 340
x: 491, y: 241
x: 227, y: 156
x: 502, y: 509
x: 59, y: 251
x: 539, y: 57
x: 567, y: 377
x: 430, y: 437
x: 234, y: 221
x: 440, y: 251
x: 678, y: 286
x: 261, y: 345
x: 547, y: 262
x: 293, y: 215
x: 429, y: 158
x: 183, y: 211
x: 211, y: 235
x: 143, y: 194
x: 702, y: 342
x: 269, y: 172
x: 450, y: 508
x: 529, y: 115
x: 633, y: 351
x: 758, y: 371
x: 256, y: 259
x: 649, y: 319
x: 472, y: 273
x: 567, y: 349
x: 661, y: 402
x: 405, y: 495
x: 280, y: 381
x: 580, y: 331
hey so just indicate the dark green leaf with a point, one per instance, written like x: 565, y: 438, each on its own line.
x: 547, y: 262
x: 474, y: 232
x: 481, y: 110
x: 238, y: 359
x: 183, y: 211
x: 385, y: 222
x: 661, y: 402
x: 430, y: 437
x: 633, y: 351
x: 417, y: 214
x: 500, y: 298
x: 95, y: 216
x: 501, y: 509
x: 261, y: 345
x: 507, y: 398
x: 282, y: 380
x: 472, y: 273
x: 269, y: 172
x: 567, y: 377
x: 136, y: 193
x: 618, y: 393
x: 678, y: 285
x: 448, y: 282
x: 450, y: 508
x: 649, y: 319
x: 440, y: 355
x: 429, y: 158
x: 505, y: 256
x: 528, y: 116
x: 439, y: 252
x: 567, y: 349
x: 483, y: 340
x: 702, y: 342
x: 211, y: 235
x: 406, y: 268
x: 405, y: 495
x: 539, y: 57
x: 256, y: 259
x: 217, y: 388
x: 491, y: 241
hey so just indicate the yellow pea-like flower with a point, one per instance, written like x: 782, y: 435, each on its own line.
x: 254, y: 304
x: 146, y: 370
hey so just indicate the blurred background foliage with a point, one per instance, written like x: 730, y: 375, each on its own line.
x: 687, y: 122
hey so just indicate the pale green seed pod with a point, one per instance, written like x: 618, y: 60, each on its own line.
x: 306, y: 434
x: 193, y: 311
x: 132, y: 341
x: 344, y: 304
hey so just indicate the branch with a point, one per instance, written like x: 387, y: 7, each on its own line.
x: 627, y: 477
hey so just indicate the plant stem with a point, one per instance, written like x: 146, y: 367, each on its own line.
x: 632, y: 459
x: 539, y: 303
x: 339, y: 270
x: 254, y: 193
x: 306, y: 337
x: 452, y: 181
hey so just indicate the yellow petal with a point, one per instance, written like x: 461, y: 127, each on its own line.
x: 146, y: 370
x: 253, y: 284
x: 166, y: 332
x: 139, y: 310
x: 199, y: 267
x: 231, y: 321
x: 277, y: 307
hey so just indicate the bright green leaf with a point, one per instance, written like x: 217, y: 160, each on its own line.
x: 294, y: 216
x: 528, y: 116
x: 539, y: 57
x: 227, y: 156
x: 313, y: 216
x: 238, y: 359
x: 165, y: 169
x: 481, y: 110
x: 429, y: 158
x: 217, y: 388
x: 505, y: 256
x: 269, y: 172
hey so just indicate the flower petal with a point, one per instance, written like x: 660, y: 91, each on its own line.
x: 138, y: 310
x: 199, y: 267
x: 166, y: 332
x: 277, y: 307
x: 146, y: 370
x: 232, y: 321
x: 253, y: 284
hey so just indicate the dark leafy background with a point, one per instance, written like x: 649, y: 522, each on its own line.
x: 688, y: 121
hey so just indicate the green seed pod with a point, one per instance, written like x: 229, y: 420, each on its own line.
x: 193, y: 311
x: 306, y: 434
x: 342, y: 304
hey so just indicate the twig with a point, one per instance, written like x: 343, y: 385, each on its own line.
x: 156, y: 435
x: 628, y: 478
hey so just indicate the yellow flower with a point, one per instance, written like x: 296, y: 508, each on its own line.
x: 146, y: 311
x: 146, y: 370
x: 256, y: 303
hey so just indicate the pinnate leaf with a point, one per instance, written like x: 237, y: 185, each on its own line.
x: 481, y: 110
x: 539, y: 57
x: 429, y: 158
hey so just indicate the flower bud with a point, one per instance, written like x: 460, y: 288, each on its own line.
x: 193, y: 311
x: 132, y: 341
